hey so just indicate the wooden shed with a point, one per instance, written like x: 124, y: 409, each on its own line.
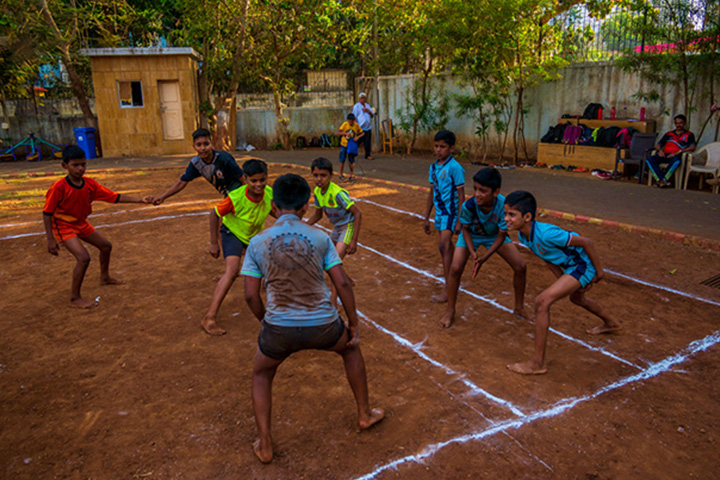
x: 146, y: 99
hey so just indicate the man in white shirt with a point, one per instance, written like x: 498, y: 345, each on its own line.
x: 363, y: 114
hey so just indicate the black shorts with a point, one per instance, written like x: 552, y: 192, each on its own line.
x: 279, y: 343
x: 231, y: 245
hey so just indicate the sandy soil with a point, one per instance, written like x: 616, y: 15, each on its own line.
x: 135, y: 389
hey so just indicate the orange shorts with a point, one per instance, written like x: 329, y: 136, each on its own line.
x: 64, y: 231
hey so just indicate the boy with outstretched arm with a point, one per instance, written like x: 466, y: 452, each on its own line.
x: 292, y: 257
x: 573, y: 260
x: 447, y: 194
x: 483, y: 224
x: 243, y: 213
x: 218, y: 168
x: 350, y: 132
x: 335, y: 202
x: 68, y: 203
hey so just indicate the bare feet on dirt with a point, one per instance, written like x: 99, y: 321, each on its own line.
x: 447, y: 319
x: 603, y: 329
x: 112, y: 281
x: 442, y: 298
x: 82, y: 303
x: 264, y: 454
x: 527, y: 368
x: 520, y: 312
x: 211, y: 327
x: 375, y: 416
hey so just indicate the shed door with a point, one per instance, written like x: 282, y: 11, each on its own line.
x: 171, y: 110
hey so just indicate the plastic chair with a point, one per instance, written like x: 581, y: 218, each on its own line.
x: 387, y: 134
x: 640, y: 147
x: 704, y: 161
x: 678, y: 173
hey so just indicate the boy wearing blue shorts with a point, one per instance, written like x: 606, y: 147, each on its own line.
x: 243, y: 213
x: 571, y: 258
x: 350, y: 132
x: 483, y: 224
x: 292, y: 258
x: 447, y: 194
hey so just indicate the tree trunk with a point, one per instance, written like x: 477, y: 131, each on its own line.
x: 282, y: 123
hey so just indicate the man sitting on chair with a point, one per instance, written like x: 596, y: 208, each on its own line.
x: 669, y: 150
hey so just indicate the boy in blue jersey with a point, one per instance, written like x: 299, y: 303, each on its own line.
x: 571, y: 258
x: 238, y: 218
x: 292, y: 257
x: 483, y: 224
x: 447, y: 178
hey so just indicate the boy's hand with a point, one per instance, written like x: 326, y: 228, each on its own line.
x: 354, y: 337
x: 53, y: 246
x: 477, y: 265
x: 352, y: 247
x: 157, y: 201
x: 148, y: 199
x: 426, y: 226
x: 458, y: 228
x: 214, y: 250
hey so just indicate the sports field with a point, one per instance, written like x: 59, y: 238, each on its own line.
x: 135, y: 389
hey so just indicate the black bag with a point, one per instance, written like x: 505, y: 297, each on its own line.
x: 608, y: 137
x: 559, y: 132
x: 315, y: 142
x: 301, y: 142
x: 592, y: 111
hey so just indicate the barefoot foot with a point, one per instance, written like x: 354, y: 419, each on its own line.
x: 210, y: 327
x: 375, y: 416
x: 112, y: 281
x: 442, y: 298
x: 603, y: 329
x: 264, y: 454
x: 447, y: 319
x: 520, y: 312
x: 527, y: 368
x: 82, y: 303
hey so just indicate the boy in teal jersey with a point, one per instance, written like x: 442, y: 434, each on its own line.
x: 243, y: 214
x: 335, y: 202
x: 482, y: 218
x: 571, y: 258
x: 292, y: 257
x: 447, y: 194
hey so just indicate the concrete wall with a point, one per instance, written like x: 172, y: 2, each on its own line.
x: 547, y: 102
x: 257, y: 126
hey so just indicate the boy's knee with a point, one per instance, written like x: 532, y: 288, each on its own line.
x: 543, y: 302
x: 83, y: 258
x: 520, y: 268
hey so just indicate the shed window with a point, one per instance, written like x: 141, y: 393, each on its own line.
x: 130, y: 94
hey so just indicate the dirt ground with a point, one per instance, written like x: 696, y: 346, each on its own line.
x: 134, y: 388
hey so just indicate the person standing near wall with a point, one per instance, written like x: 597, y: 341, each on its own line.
x: 364, y: 114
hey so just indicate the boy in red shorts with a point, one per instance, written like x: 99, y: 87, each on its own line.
x: 67, y: 206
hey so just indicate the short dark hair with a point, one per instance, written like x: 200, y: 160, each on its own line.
x: 254, y: 166
x: 680, y: 117
x: 522, y: 201
x: 72, y: 152
x: 446, y: 136
x: 201, y: 132
x: 488, y: 177
x: 321, y: 163
x: 351, y: 116
x: 291, y: 192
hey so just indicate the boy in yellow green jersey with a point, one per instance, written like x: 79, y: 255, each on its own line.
x: 243, y: 213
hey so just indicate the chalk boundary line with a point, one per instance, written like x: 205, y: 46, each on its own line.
x: 501, y: 427
x: 668, y: 235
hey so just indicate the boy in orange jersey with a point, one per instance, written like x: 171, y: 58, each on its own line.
x: 67, y: 206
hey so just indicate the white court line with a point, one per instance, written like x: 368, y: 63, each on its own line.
x: 617, y: 274
x: 417, y: 348
x: 502, y: 307
x: 561, y: 407
x: 96, y: 215
x: 130, y: 222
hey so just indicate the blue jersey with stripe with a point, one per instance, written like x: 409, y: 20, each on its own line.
x: 550, y: 243
x: 292, y: 257
x: 445, y: 179
x: 483, y: 224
